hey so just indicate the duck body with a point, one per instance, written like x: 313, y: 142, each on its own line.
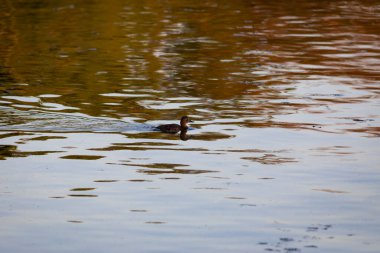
x: 175, y: 128
x: 170, y: 128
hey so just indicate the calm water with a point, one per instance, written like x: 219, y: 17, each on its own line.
x: 283, y: 154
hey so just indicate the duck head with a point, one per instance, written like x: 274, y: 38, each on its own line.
x: 184, y: 121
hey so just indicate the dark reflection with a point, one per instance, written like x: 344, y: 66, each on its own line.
x: 106, y: 181
x: 82, y: 189
x: 155, y: 222
x: 330, y: 191
x: 184, y: 136
x: 270, y: 159
x: 139, y: 180
x: 75, y: 221
x: 44, y: 138
x: 210, y: 188
x: 83, y: 195
x: 147, y: 143
x: 333, y: 151
x: 166, y: 168
x: 174, y: 171
x: 211, y: 136
x: 12, y: 134
x: 82, y: 157
x: 130, y: 146
x: 134, y: 146
x: 369, y: 131
x: 7, y: 151
x: 237, y: 198
x: 152, y: 135
x: 159, y: 165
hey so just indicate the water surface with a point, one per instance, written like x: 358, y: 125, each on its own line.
x: 282, y: 155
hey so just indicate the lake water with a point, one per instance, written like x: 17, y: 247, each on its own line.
x: 282, y: 156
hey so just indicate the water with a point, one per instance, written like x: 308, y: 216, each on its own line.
x: 282, y: 155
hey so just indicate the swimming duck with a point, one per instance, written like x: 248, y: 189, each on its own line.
x: 175, y: 128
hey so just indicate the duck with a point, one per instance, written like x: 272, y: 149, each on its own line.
x: 175, y: 128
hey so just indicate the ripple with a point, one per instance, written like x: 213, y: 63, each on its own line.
x: 83, y: 195
x: 82, y: 189
x: 82, y: 157
x: 75, y: 221
x: 270, y: 159
x: 330, y: 191
x: 11, y: 151
x: 45, y: 138
x: 124, y: 95
x: 139, y: 180
x: 28, y: 99
x: 57, y: 107
x: 106, y: 181
x: 155, y: 222
x: 49, y: 96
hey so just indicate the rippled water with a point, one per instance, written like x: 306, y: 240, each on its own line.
x: 282, y: 155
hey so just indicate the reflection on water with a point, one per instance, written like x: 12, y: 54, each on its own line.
x: 84, y: 157
x: 282, y: 156
x: 11, y: 151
